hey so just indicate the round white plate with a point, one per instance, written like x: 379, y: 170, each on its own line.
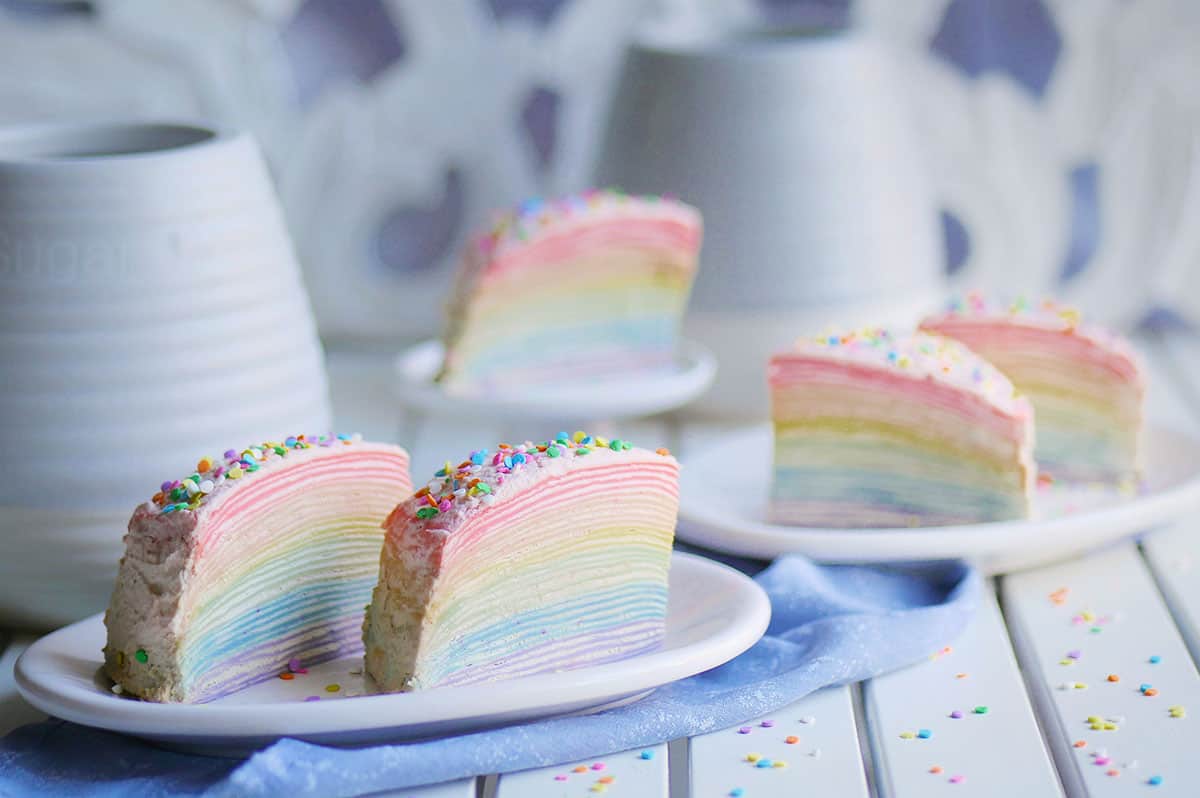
x: 724, y: 491
x: 631, y: 396
x: 714, y: 613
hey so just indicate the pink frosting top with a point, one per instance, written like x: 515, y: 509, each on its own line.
x: 918, y: 356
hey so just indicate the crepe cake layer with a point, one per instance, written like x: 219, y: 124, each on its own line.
x: 874, y: 430
x: 584, y: 287
x: 525, y: 560
x: 1086, y: 383
x: 262, y: 555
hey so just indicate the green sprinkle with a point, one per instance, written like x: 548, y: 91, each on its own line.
x: 140, y: 655
x: 582, y: 450
x: 615, y: 445
x: 427, y: 512
x: 482, y: 487
x: 626, y: 446
x: 552, y: 451
x: 981, y: 710
x: 280, y: 450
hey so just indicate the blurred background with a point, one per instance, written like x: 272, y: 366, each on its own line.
x: 1059, y: 140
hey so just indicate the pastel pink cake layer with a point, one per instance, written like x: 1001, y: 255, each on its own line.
x: 1086, y: 383
x: 584, y: 287
x: 270, y: 556
x: 529, y: 559
x: 875, y: 430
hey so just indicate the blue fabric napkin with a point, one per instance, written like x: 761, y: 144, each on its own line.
x: 830, y: 625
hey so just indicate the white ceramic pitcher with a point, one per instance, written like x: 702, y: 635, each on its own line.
x: 151, y: 312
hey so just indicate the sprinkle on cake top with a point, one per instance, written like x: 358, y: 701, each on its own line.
x: 535, y: 216
x: 190, y: 492
x: 475, y: 480
x: 919, y: 355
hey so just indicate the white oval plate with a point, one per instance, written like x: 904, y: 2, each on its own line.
x: 630, y: 396
x: 724, y: 492
x: 714, y: 613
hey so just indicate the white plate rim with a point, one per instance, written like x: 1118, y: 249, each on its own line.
x: 629, y: 396
x: 702, y: 523
x: 41, y: 682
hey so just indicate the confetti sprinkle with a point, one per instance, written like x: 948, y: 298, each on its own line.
x: 956, y: 714
x: 753, y: 757
x: 141, y: 656
x: 597, y: 766
x: 957, y: 779
x: 1154, y: 781
x: 763, y: 763
x: 1154, y: 660
x: 1112, y: 772
x: 778, y: 763
x: 744, y: 730
x: 791, y: 739
x: 313, y: 698
x: 1176, y: 712
x: 907, y: 735
x: 936, y: 769
x: 295, y: 666
x: 332, y: 688
x: 647, y: 754
x: 606, y: 779
x: 1112, y: 677
x: 580, y: 769
x: 924, y: 734
x: 1080, y: 744
x: 980, y: 710
x: 736, y: 792
x: 766, y: 724
x: 286, y: 676
x: 560, y: 777
x: 960, y: 676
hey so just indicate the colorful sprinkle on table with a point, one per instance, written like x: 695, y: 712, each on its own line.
x: 1154, y: 660
x: 1154, y: 781
x: 956, y: 714
x: 980, y: 710
x: 647, y: 754
x: 332, y: 688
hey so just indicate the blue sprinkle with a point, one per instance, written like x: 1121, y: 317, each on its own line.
x: 518, y: 458
x: 562, y: 436
x: 586, y: 439
x: 833, y: 340
x: 1154, y: 780
x: 924, y: 734
x: 647, y: 754
x: 1155, y: 659
x: 763, y: 763
x: 170, y: 508
x: 892, y: 357
x: 477, y: 458
x: 1144, y: 687
x: 736, y: 792
x: 508, y: 461
x: 441, y: 472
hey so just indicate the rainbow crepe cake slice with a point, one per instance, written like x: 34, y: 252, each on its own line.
x: 525, y: 560
x: 584, y: 287
x: 1085, y: 382
x: 262, y: 555
x: 874, y: 430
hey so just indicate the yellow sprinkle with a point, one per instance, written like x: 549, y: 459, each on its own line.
x: 1065, y: 661
x: 233, y: 473
x: 1094, y: 719
x: 907, y: 735
x: 332, y: 688
x: 1097, y: 727
x: 1080, y: 686
x: 753, y: 757
x: 579, y: 435
x: 601, y: 441
x: 778, y: 763
x: 1110, y: 726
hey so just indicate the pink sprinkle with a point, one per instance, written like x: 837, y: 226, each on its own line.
x: 766, y: 724
x: 957, y: 779
x: 1102, y: 760
x: 1076, y: 654
x: 444, y: 505
x: 744, y: 730
x: 498, y: 459
x: 598, y: 766
x: 560, y: 777
x: 295, y: 667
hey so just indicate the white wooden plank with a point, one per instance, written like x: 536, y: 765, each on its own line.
x: 14, y: 711
x: 939, y: 698
x: 823, y: 757
x: 634, y: 774
x: 1173, y: 553
x: 1089, y: 634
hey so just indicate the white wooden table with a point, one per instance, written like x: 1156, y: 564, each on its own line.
x: 1076, y: 679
